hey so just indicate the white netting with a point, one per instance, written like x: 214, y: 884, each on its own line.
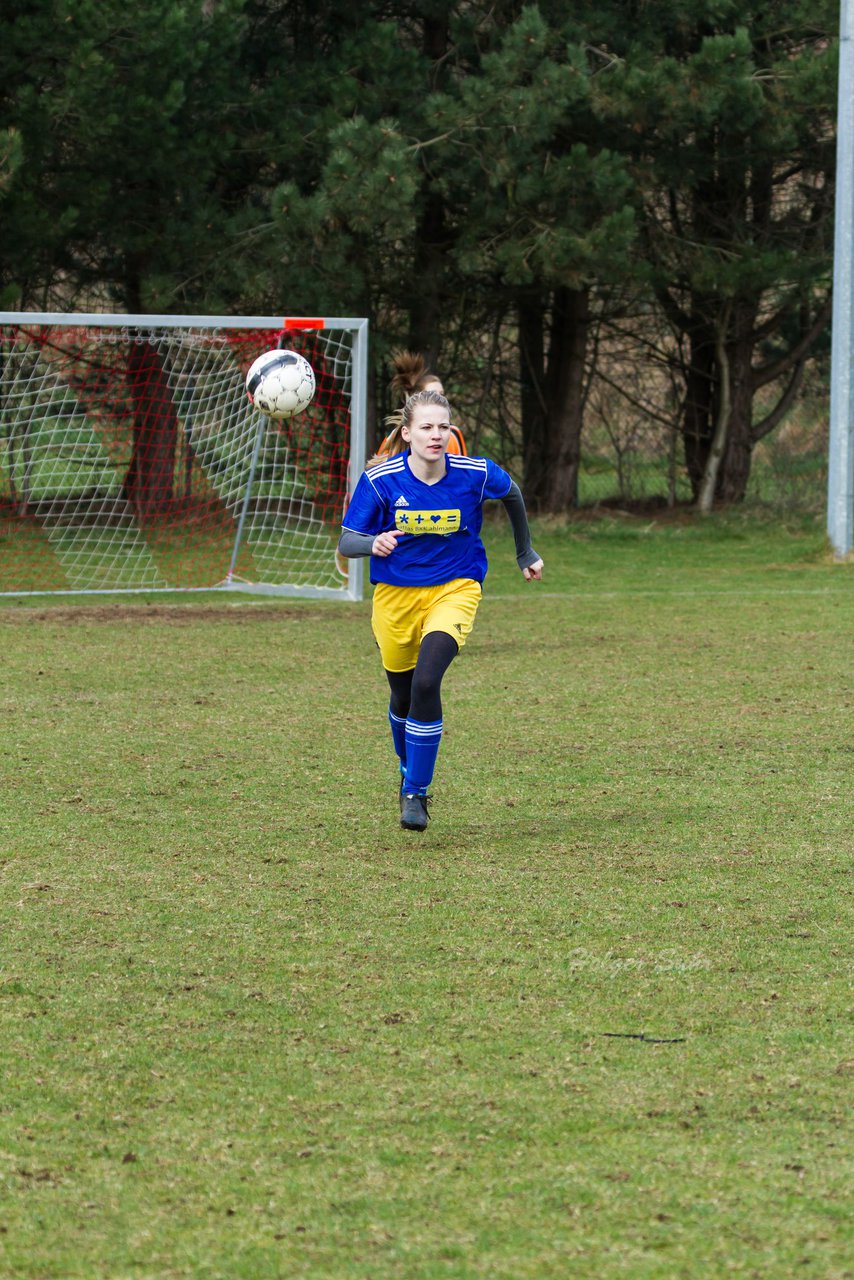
x: 132, y: 459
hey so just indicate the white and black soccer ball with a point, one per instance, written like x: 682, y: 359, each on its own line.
x: 280, y: 383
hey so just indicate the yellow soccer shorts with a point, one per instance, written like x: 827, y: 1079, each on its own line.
x: 403, y: 616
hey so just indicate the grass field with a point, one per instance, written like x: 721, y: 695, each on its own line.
x: 594, y: 1023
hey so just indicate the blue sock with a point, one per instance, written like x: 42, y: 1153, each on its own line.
x: 422, y: 747
x: 398, y: 737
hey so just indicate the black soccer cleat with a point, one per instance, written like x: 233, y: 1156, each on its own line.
x: 413, y: 812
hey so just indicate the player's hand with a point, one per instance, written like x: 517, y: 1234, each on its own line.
x: 385, y: 543
x: 535, y: 571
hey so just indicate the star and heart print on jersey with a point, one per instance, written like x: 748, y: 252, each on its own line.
x: 389, y: 496
x: 417, y: 522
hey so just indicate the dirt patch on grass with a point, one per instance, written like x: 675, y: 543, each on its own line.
x: 176, y: 614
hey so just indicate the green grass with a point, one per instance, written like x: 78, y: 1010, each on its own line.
x: 250, y: 1029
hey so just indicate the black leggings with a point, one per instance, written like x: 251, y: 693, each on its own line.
x: 417, y: 693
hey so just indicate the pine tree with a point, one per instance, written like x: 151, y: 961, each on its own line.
x: 126, y: 115
x: 542, y: 215
x: 728, y: 121
x: 440, y: 166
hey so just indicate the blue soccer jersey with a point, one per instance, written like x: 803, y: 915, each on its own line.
x: 441, y: 521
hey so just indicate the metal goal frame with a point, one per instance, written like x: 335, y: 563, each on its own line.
x: 352, y: 587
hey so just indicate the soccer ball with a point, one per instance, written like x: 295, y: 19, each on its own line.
x: 280, y: 383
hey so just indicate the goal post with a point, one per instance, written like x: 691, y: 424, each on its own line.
x: 132, y: 460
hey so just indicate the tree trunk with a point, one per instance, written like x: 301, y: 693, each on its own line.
x: 570, y: 331
x: 698, y: 414
x: 553, y: 397
x: 427, y: 310
x: 531, y: 315
x: 148, y: 483
x: 734, y: 472
x: 709, y: 483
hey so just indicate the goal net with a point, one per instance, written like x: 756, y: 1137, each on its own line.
x: 131, y: 458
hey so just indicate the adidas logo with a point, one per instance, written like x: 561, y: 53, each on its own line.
x: 401, y: 502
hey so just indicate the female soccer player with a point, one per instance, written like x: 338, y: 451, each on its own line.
x: 418, y: 516
x: 410, y: 375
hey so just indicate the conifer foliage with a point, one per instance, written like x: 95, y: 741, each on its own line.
x: 454, y: 171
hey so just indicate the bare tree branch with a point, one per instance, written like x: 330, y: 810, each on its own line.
x: 782, y: 407
x: 769, y: 372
